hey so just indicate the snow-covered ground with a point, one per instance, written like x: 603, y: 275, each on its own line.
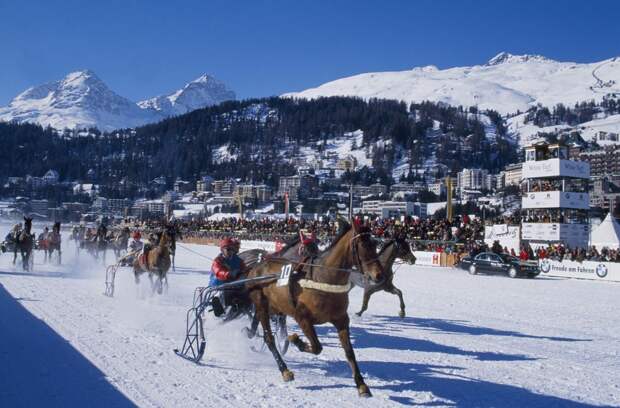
x: 476, y: 341
x: 526, y: 132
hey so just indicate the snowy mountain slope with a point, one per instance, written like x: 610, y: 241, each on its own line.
x: 201, y: 92
x: 527, y: 132
x: 507, y: 83
x: 82, y: 100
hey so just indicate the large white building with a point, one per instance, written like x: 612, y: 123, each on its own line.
x: 555, y: 201
x: 471, y: 179
x: 388, y: 209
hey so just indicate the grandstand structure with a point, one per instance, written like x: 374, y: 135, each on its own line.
x: 555, y: 200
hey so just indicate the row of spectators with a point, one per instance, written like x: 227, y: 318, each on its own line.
x: 461, y: 236
x: 560, y: 252
x: 460, y: 229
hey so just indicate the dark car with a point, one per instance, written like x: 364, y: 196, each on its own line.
x: 490, y: 262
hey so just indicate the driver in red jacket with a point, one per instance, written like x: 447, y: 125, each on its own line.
x: 226, y: 267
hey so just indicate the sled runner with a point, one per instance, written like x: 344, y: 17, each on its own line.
x: 206, y: 299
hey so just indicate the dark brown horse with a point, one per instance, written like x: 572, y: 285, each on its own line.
x: 119, y: 242
x: 294, y: 251
x: 297, y: 250
x: 319, y: 294
x: 397, y: 248
x: 24, y: 244
x: 174, y: 234
x: 155, y: 262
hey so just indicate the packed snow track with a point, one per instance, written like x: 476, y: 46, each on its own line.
x: 471, y: 341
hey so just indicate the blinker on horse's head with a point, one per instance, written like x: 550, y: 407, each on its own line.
x: 366, y: 249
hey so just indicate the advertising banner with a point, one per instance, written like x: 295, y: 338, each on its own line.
x: 571, y: 234
x: 539, y: 231
x: 555, y: 168
x: 427, y: 258
x: 264, y: 245
x: 556, y: 199
x: 507, y: 235
x: 603, y: 271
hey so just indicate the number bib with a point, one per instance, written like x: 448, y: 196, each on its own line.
x: 285, y: 275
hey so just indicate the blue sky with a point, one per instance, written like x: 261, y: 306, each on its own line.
x: 261, y: 48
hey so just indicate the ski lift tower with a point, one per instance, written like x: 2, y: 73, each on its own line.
x: 555, y: 200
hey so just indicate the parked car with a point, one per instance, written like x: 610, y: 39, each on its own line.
x: 492, y: 263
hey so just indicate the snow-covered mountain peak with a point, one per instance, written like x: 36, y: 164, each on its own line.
x: 199, y: 93
x: 427, y: 68
x: 84, y: 75
x: 81, y: 99
x: 203, y: 79
x: 507, y: 83
x: 505, y: 57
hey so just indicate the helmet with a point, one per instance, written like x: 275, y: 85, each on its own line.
x: 228, y: 242
x: 136, y: 235
x: 307, y: 240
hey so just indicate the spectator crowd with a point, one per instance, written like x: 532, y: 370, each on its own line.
x: 461, y: 236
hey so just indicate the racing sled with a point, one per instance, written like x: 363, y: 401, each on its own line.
x: 205, y: 300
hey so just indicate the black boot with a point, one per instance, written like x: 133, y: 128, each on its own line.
x: 217, y: 307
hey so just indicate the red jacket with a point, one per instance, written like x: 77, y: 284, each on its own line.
x: 227, y: 269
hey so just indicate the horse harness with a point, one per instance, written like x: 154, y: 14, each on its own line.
x: 307, y: 280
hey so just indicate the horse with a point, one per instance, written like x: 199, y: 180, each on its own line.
x: 293, y: 251
x: 174, y: 234
x: 97, y: 244
x: 119, y: 243
x: 53, y: 242
x: 25, y: 244
x: 321, y: 296
x: 296, y: 251
x: 155, y: 262
x: 393, y: 249
x: 77, y: 235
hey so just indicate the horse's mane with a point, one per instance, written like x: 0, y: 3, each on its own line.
x: 386, y: 245
x: 343, y: 231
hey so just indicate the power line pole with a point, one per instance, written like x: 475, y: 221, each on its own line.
x: 351, y: 201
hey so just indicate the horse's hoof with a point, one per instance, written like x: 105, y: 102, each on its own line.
x: 364, y: 391
x: 358, y: 314
x: 293, y: 338
x: 401, y: 314
x: 287, y: 376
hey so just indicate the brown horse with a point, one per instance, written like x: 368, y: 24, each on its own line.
x: 393, y: 249
x: 119, y: 241
x: 156, y: 262
x: 25, y: 244
x: 294, y: 251
x: 320, y: 296
x: 53, y: 243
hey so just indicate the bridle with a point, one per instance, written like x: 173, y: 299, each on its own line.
x: 356, y: 256
x: 399, y: 247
